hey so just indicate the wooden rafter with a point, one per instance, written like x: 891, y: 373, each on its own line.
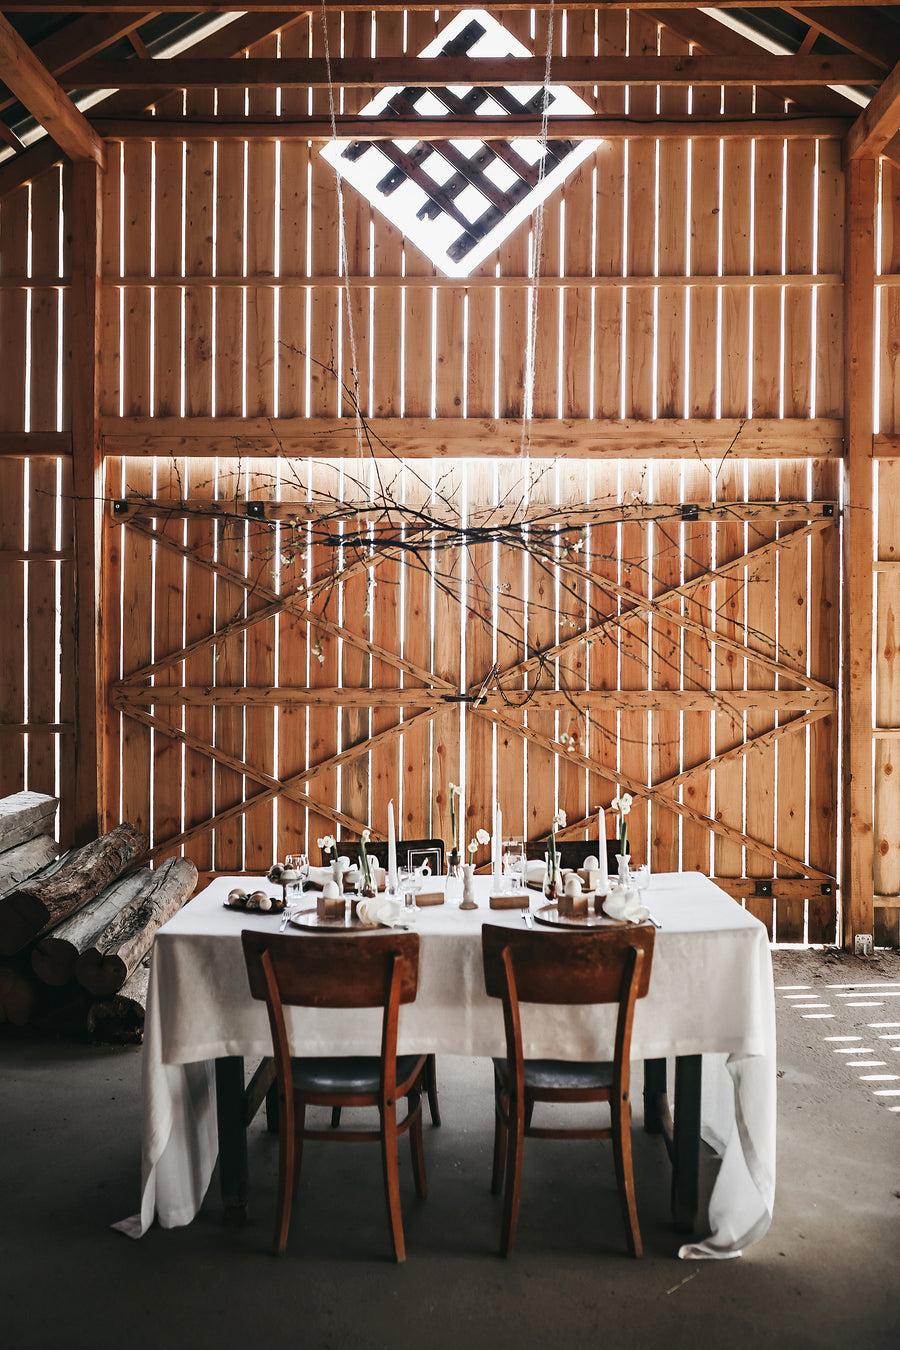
x: 634, y: 786
x: 80, y: 40
x: 706, y: 32
x: 878, y: 123
x: 860, y: 31
x: 34, y: 86
x: 317, y: 128
x: 187, y: 72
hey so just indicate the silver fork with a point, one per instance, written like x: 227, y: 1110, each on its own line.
x: 527, y: 918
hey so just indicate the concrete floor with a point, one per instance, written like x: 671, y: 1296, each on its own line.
x: 824, y: 1276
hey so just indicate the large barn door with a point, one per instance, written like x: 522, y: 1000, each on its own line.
x: 290, y: 664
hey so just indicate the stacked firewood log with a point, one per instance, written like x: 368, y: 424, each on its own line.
x: 76, y: 930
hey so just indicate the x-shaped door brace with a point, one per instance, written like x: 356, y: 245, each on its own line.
x: 489, y: 697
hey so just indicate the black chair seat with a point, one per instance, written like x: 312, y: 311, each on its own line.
x: 559, y: 1075
x: 352, y: 1074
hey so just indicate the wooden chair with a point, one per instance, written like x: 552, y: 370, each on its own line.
x: 378, y: 849
x: 341, y: 971
x: 572, y: 852
x: 612, y: 966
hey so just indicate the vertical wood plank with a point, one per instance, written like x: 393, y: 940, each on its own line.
x: 859, y: 287
x: 887, y: 708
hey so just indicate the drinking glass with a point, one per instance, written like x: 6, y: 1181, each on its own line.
x: 411, y: 880
x: 514, y: 863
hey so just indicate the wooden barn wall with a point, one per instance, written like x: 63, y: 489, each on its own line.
x: 37, y: 686
x: 207, y: 313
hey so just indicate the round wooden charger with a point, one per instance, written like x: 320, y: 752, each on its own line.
x: 550, y: 915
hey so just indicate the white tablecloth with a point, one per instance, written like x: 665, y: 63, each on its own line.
x: 711, y: 992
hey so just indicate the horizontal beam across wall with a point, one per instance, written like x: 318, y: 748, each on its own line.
x: 472, y: 283
x: 31, y: 444
x: 478, y: 438
x: 473, y: 128
x: 487, y: 72
x: 170, y: 695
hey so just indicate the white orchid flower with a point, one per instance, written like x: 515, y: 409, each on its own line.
x: 482, y: 837
x: 559, y: 820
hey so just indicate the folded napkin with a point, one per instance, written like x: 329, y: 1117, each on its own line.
x: 317, y: 876
x: 382, y: 909
x: 534, y: 872
x: 625, y: 905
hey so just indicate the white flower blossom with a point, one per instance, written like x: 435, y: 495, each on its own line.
x: 482, y: 837
x: 559, y: 821
x: 366, y: 835
x: 622, y: 805
x: 327, y: 842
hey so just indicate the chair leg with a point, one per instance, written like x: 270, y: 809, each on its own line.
x: 287, y: 1174
x: 417, y: 1151
x: 391, y: 1173
x: 430, y: 1080
x: 499, y: 1148
x: 299, y: 1123
x: 335, y: 1117
x: 621, y: 1141
x: 516, y: 1141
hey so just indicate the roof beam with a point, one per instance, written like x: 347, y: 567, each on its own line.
x: 34, y: 86
x: 79, y: 41
x: 878, y: 123
x: 759, y: 67
x: 289, y: 6
x: 861, y: 32
x: 705, y: 31
x: 486, y: 129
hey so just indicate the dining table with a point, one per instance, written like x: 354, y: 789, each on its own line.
x: 709, y: 1019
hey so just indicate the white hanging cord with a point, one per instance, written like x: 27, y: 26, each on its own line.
x: 537, y: 243
x: 354, y: 368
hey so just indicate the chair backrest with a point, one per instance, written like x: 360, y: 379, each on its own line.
x: 572, y: 852
x: 567, y: 967
x: 332, y: 970
x: 378, y: 849
x: 605, y: 966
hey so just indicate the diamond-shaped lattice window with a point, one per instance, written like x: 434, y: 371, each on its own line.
x: 458, y: 200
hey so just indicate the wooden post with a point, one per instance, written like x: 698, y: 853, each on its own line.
x: 859, y: 322
x: 84, y: 232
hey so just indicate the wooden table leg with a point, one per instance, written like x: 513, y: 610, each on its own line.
x: 230, y: 1113
x: 681, y: 1134
x: 686, y: 1143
